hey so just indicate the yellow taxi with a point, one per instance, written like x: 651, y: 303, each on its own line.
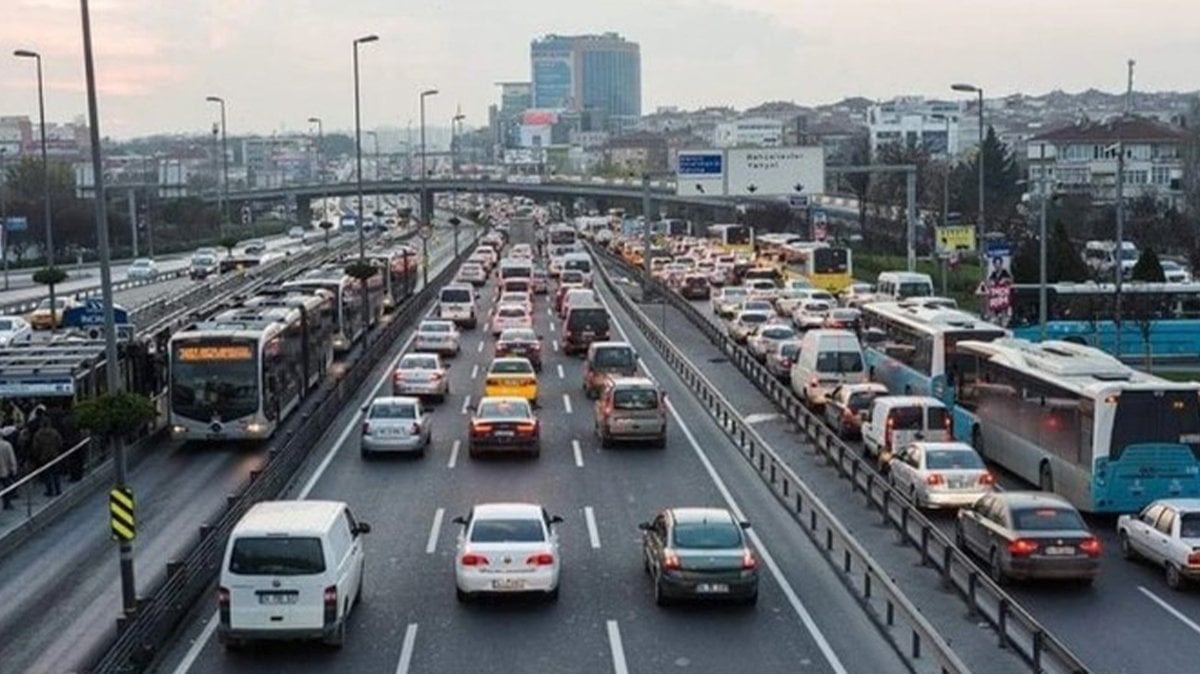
x: 43, y: 318
x: 511, y: 377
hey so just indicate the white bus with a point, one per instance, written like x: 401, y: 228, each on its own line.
x: 913, y: 350
x: 1078, y: 422
x: 347, y: 301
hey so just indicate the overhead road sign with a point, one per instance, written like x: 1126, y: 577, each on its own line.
x: 121, y: 514
x: 700, y: 173
x: 16, y: 223
x: 775, y: 171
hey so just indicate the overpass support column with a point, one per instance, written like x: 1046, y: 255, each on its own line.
x: 303, y: 211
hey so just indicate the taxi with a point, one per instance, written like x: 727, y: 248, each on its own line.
x: 511, y: 377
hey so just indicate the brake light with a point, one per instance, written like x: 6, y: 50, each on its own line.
x: 946, y: 423
x: 223, y: 598
x: 398, y: 376
x: 472, y: 559
x: 481, y: 428
x: 331, y: 604
x: 786, y: 362
x: 540, y: 559
x: 848, y: 414
x: 1193, y: 558
x: 366, y: 429
x: 935, y: 479
x: 814, y: 381
x: 1091, y: 547
x: 748, y: 560
x: 527, y: 427
x: 670, y: 560
x: 1022, y: 547
x: 987, y: 479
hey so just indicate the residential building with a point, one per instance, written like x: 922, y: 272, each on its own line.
x: 588, y: 72
x: 1081, y: 158
x: 636, y: 152
x: 749, y: 132
x: 16, y: 135
x: 937, y: 126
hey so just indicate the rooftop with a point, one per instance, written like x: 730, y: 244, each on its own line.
x: 1127, y: 129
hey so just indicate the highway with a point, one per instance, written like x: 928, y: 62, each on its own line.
x: 61, y: 597
x: 606, y: 619
x: 1157, y: 629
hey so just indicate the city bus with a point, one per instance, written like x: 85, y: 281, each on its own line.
x: 828, y: 267
x: 1076, y: 421
x: 732, y: 238
x: 1085, y: 313
x: 348, y: 298
x: 316, y: 313
x: 561, y: 234
x: 914, y: 350
x: 238, y: 375
x: 399, y: 267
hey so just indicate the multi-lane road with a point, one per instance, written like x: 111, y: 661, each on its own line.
x: 606, y: 619
x: 60, y: 595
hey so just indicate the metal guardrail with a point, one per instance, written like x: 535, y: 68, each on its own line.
x: 140, y: 638
x: 1015, y: 626
x: 859, y: 571
x: 26, y: 306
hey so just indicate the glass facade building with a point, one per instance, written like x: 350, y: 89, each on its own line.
x: 597, y: 73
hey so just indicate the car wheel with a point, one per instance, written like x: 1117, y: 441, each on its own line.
x: 1127, y: 550
x: 362, y: 575
x: 660, y: 595
x: 995, y: 570
x: 661, y: 442
x: 338, y: 637
x: 605, y: 441
x: 1175, y: 579
x: 365, y: 454
x: 463, y: 597
x: 552, y: 595
x: 751, y: 600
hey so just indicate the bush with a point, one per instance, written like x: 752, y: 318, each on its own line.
x: 1148, y: 268
x: 361, y: 269
x: 49, y: 276
x: 115, y: 414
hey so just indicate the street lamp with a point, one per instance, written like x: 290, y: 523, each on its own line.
x: 325, y: 224
x: 54, y: 314
x: 454, y: 220
x: 4, y: 208
x: 378, y: 212
x: 424, y: 211
x: 972, y: 89
x: 362, y: 243
x: 224, y: 163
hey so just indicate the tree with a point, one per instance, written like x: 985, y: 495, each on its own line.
x: 228, y: 243
x: 1148, y: 269
x: 860, y: 183
x: 115, y: 415
x: 1001, y: 186
x: 1063, y: 258
x: 49, y: 276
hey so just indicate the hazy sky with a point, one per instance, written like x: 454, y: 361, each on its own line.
x: 280, y: 61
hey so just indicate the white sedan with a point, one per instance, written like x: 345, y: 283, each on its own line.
x: 811, y: 314
x: 421, y: 374
x: 940, y: 474
x: 142, y: 268
x: 767, y: 338
x: 507, y: 548
x: 438, y: 336
x: 508, y: 316
x: 1165, y: 533
x: 15, y: 330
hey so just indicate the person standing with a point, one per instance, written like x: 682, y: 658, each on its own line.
x: 9, y: 470
x: 47, y: 446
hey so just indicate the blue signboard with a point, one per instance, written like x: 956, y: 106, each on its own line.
x: 16, y: 223
x: 90, y: 313
x: 701, y: 164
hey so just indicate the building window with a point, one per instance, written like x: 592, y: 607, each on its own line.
x: 1160, y: 175
x: 1136, y: 177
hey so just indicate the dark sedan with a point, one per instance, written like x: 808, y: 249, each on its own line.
x: 520, y: 342
x: 699, y: 553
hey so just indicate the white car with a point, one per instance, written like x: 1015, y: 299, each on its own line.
x: 438, y: 336
x: 725, y: 301
x: 1175, y: 272
x: 940, y: 474
x: 296, y: 232
x: 787, y: 299
x: 1165, y: 533
x: 767, y: 338
x: 421, y: 374
x: 509, y: 316
x: 394, y: 424
x: 811, y: 314
x: 141, y: 269
x: 762, y: 289
x: 857, y: 294
x: 471, y: 272
x: 507, y: 548
x: 516, y: 297
x: 745, y: 322
x: 15, y: 330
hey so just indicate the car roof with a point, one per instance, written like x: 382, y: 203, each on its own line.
x: 1032, y: 499
x: 697, y: 515
x: 943, y: 445
x: 632, y: 382
x: 510, y: 359
x: 610, y: 344
x: 492, y: 511
x: 1182, y: 504
x: 434, y: 321
x: 396, y: 400
x: 418, y: 355
x: 289, y: 518
x: 902, y: 401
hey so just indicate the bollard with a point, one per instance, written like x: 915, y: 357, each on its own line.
x: 972, y: 589
x: 886, y: 505
x: 890, y: 613
x: 174, y: 567
x: 1038, y: 637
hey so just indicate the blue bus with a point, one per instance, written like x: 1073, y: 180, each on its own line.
x: 1159, y: 320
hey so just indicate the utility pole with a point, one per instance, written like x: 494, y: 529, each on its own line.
x: 1042, y: 245
x: 133, y: 220
x: 4, y: 210
x: 1120, y: 251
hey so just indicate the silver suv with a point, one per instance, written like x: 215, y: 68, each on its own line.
x: 631, y: 408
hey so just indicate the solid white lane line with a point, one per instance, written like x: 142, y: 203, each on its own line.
x: 431, y: 544
x: 454, y: 454
x: 561, y: 375
x: 567, y: 402
x: 406, y: 650
x: 578, y: 453
x: 589, y: 516
x: 618, y: 650
x: 1170, y: 609
x: 466, y: 403
x: 474, y: 371
x: 554, y: 343
x: 789, y: 592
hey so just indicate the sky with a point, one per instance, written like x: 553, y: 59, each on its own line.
x: 279, y: 62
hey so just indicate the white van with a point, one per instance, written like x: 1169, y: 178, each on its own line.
x: 292, y: 570
x: 1101, y: 257
x: 456, y: 302
x: 899, y: 285
x: 581, y: 262
x: 827, y: 359
x: 896, y: 421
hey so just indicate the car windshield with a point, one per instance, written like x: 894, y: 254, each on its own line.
x: 512, y: 367
x: 708, y: 535
x: 782, y: 332
x: 435, y: 327
x: 276, y: 556
x: 507, y: 531
x: 511, y: 312
x: 753, y: 319
x: 615, y: 356
x: 518, y: 336
x: 572, y: 276
x: 203, y: 259
x: 635, y: 399
x: 419, y: 363
x: 861, y: 400
x: 789, y: 350
x: 1047, y: 519
x: 5, y: 325
x: 839, y: 361
x: 393, y: 411
x: 456, y: 295
x: 503, y: 409
x: 952, y: 459
x: 732, y: 293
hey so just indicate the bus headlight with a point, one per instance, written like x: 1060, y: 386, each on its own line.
x: 178, y: 430
x: 255, y: 428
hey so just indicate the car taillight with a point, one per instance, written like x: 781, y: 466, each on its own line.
x: 398, y: 376
x: 987, y: 479
x: 670, y: 560
x: 1022, y: 547
x: 785, y: 362
x: 366, y: 427
x: 436, y: 376
x: 540, y: 559
x: 748, y: 560
x: 527, y: 427
x: 223, y: 598
x: 935, y: 479
x: 472, y: 559
x: 1193, y: 558
x: 1090, y: 547
x: 331, y: 602
x: 481, y: 428
x: 814, y: 381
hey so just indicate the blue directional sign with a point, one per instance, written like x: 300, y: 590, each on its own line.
x: 697, y: 163
x: 90, y: 313
x: 16, y: 223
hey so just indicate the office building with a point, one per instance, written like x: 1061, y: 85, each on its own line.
x: 936, y: 126
x: 749, y: 132
x: 597, y: 73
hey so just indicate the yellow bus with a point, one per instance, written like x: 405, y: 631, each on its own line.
x: 732, y: 238
x: 826, y: 267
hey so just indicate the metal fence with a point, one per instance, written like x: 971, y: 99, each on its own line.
x: 1016, y: 628
x: 139, y: 639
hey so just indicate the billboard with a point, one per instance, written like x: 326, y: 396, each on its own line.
x: 955, y: 238
x: 996, y: 287
x: 775, y: 171
x: 700, y: 173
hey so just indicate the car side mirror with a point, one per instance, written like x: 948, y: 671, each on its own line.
x: 363, y: 409
x: 362, y: 528
x: 744, y: 525
x: 460, y: 520
x: 645, y: 526
x: 556, y: 519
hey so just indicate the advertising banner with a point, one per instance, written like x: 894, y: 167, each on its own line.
x: 955, y: 239
x: 997, y: 283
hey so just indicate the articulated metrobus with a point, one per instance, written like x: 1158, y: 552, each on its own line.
x: 348, y: 301
x: 1078, y: 422
x: 737, y: 239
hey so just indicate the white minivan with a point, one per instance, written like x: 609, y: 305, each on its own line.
x: 896, y: 421
x: 827, y: 359
x: 292, y: 570
x: 899, y: 285
x: 456, y: 302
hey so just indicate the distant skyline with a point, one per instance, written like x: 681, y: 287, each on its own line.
x: 156, y: 61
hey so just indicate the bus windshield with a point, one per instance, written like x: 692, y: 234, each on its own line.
x: 1170, y: 417
x: 214, y: 380
x: 832, y: 261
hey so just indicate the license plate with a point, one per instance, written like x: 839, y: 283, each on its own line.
x: 1060, y: 550
x: 388, y: 431
x: 504, y: 434
x: 587, y: 335
x: 712, y: 588
x: 508, y: 584
x: 278, y: 598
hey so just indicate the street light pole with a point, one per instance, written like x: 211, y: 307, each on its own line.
x: 375, y: 172
x: 54, y: 312
x: 321, y: 177
x: 970, y: 88
x: 425, y: 212
x: 454, y: 138
x: 1043, y: 244
x: 362, y: 242
x: 4, y: 210
x: 224, y: 164
x: 128, y: 588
